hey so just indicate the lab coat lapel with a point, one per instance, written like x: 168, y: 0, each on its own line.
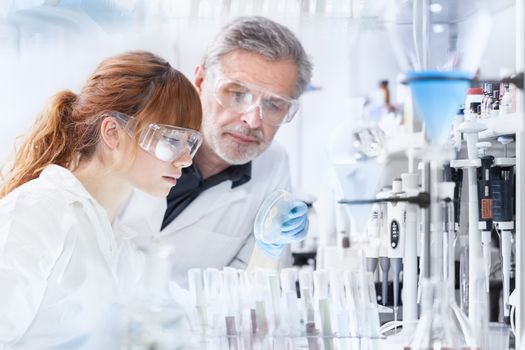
x: 212, y: 199
x: 104, y: 234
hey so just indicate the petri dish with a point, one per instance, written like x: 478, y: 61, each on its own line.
x: 271, y: 214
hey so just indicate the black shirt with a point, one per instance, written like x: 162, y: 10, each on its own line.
x: 191, y: 184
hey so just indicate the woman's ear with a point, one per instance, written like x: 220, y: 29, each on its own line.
x: 109, y: 130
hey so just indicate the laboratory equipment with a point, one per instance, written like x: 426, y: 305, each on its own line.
x: 260, y: 306
x: 485, y: 205
x: 372, y: 248
x: 396, y: 214
x: 410, y: 275
x: 503, y: 215
x: 357, y: 149
x: 153, y: 317
x: 439, y: 47
x: 271, y: 214
x: 486, y: 102
x: 470, y: 130
x: 498, y: 336
x: 473, y: 103
x: 436, y: 328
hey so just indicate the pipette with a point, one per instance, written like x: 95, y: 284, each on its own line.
x: 396, y: 227
x: 410, y: 278
x: 384, y: 262
x: 470, y: 130
x: 372, y: 247
x: 485, y: 205
x: 503, y: 215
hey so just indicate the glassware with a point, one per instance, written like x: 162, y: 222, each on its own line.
x: 498, y: 336
x: 358, y: 151
x: 439, y: 46
x: 270, y: 216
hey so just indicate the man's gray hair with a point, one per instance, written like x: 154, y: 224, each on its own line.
x: 265, y: 37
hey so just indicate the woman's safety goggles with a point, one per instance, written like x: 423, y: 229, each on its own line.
x: 164, y: 142
x: 241, y: 97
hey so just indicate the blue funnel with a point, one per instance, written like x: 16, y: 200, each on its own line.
x: 437, y: 96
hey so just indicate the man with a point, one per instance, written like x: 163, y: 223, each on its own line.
x: 249, y: 83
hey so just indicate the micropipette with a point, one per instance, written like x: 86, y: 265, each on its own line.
x: 503, y: 215
x: 372, y: 247
x: 410, y: 273
x: 384, y: 262
x: 470, y: 130
x: 396, y: 213
x: 485, y: 205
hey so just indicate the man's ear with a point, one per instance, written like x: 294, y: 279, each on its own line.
x: 199, y: 77
x: 109, y: 130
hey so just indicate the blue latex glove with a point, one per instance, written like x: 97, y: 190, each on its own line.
x: 293, y: 229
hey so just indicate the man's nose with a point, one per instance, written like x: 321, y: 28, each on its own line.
x: 253, y: 116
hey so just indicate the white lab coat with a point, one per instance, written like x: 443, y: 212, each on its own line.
x: 63, y: 270
x: 216, y: 229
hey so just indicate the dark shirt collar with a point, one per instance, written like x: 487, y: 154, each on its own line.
x: 237, y: 174
x: 191, y: 184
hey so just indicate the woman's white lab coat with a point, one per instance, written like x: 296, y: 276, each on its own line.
x: 63, y: 271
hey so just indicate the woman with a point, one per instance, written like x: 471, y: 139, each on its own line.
x: 63, y: 268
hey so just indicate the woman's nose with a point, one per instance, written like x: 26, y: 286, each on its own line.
x: 184, y: 160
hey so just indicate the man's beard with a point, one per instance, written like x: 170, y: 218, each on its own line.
x: 233, y: 152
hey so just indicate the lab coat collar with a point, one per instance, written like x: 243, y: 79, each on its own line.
x: 63, y: 178
x: 60, y: 177
x: 223, y: 195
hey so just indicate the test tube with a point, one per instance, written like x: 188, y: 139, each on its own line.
x: 196, y: 286
x: 230, y: 293
x: 353, y: 304
x: 306, y: 288
x: 212, y: 288
x: 288, y: 279
x: 339, y: 310
x: 321, y: 284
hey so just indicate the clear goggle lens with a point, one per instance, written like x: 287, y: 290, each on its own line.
x: 243, y: 98
x: 165, y: 142
x: 169, y: 143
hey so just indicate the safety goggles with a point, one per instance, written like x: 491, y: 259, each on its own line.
x: 165, y: 142
x: 242, y: 98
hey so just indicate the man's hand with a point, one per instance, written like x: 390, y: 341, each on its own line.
x: 293, y: 229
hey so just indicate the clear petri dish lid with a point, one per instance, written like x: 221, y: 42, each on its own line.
x: 271, y: 214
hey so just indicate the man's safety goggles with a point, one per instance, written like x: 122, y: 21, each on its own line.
x: 241, y: 97
x: 164, y: 142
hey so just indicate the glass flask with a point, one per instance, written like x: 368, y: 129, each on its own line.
x: 357, y: 149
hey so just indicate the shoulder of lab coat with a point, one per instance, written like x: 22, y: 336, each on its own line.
x: 32, y: 235
x: 38, y: 223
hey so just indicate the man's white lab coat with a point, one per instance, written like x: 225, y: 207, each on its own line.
x: 216, y: 229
